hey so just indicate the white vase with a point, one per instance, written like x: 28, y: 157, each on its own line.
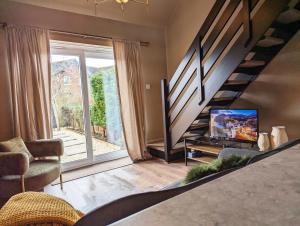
x: 278, y: 136
x: 263, y: 142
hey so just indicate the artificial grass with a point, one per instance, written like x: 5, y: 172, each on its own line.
x: 203, y: 170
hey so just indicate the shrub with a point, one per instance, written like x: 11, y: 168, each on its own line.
x: 203, y: 170
x: 98, y: 116
x: 199, y: 171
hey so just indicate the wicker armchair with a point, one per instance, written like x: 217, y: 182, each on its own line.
x: 18, y: 175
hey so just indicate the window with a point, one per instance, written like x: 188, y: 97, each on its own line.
x: 85, y: 103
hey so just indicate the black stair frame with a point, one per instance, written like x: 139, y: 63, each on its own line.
x: 205, y: 92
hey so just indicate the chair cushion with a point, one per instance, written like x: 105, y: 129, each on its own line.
x: 15, y: 145
x: 40, y: 174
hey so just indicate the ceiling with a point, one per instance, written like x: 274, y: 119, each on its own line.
x: 157, y: 14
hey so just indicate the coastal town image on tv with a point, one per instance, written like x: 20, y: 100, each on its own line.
x: 234, y: 124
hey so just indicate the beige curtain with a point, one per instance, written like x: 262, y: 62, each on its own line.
x: 130, y: 82
x: 29, y: 71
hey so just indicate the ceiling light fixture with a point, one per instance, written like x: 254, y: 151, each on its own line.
x: 121, y: 2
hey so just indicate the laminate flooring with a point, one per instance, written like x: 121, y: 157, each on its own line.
x: 87, y: 193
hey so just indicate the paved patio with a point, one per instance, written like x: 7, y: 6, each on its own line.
x: 75, y: 145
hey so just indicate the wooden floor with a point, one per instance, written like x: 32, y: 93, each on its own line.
x: 92, y: 191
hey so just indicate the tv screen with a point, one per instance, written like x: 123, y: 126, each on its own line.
x: 237, y: 124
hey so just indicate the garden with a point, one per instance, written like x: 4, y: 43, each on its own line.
x: 67, y: 109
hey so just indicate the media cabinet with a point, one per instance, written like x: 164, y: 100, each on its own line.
x: 208, y: 150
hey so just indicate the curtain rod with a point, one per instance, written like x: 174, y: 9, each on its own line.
x: 92, y: 36
x: 83, y: 35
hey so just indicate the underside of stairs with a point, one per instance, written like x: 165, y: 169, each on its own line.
x: 236, y: 42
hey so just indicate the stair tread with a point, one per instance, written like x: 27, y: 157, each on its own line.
x: 235, y: 85
x: 191, y: 136
x: 254, y: 71
x: 198, y: 126
x: 252, y: 63
x: 282, y: 34
x: 206, y: 149
x: 196, y: 138
x: 203, y: 116
x: 270, y: 31
x: 204, y: 159
x: 240, y: 77
x: 157, y: 146
x: 229, y: 88
x: 216, y: 99
x: 236, y: 82
x: 160, y: 146
x: 270, y: 41
x: 289, y: 16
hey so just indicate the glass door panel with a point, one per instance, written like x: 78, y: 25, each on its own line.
x: 67, y: 106
x: 85, y: 104
x: 106, y: 126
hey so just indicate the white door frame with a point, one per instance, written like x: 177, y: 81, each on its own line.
x: 90, y: 160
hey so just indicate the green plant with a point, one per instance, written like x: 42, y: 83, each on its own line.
x: 203, y: 170
x: 199, y: 171
x: 98, y: 116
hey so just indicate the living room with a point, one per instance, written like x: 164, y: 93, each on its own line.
x: 118, y: 98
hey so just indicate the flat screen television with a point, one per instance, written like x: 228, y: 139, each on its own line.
x: 234, y: 124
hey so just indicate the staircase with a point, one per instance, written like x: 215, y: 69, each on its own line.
x: 236, y: 42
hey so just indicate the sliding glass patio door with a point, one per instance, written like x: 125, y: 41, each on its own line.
x: 85, y: 104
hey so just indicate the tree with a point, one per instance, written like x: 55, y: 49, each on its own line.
x: 98, y: 116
